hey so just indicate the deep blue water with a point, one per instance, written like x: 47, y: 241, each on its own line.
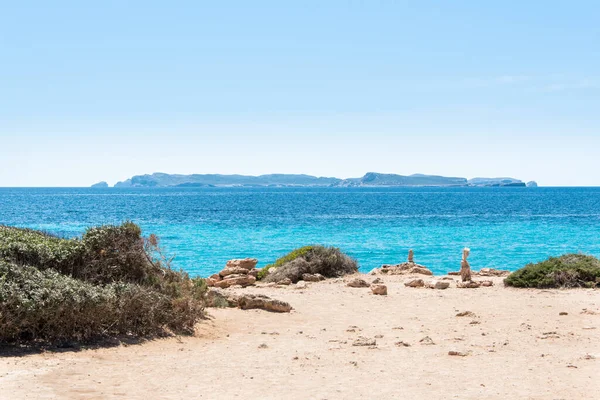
x: 504, y: 227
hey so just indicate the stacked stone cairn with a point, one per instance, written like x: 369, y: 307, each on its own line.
x: 239, y: 272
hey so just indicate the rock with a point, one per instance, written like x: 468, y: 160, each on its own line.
x: 377, y: 281
x: 532, y: 184
x: 402, y: 344
x: 466, y: 314
x: 465, y: 268
x: 242, y: 280
x: 210, y: 282
x: 216, y: 298
x: 563, y: 313
x: 486, y: 283
x: 379, y: 289
x: 253, y: 272
x: 453, y: 273
x: 252, y: 301
x: 301, y: 285
x: 457, y: 353
x: 357, y: 283
x: 312, y: 277
x: 468, y: 285
x: 285, y: 282
x: 411, y: 256
x: 441, y: 285
x: 216, y: 277
x: 245, y: 263
x: 233, y: 271
x: 426, y: 341
x: 263, y: 346
x: 420, y: 270
x: 415, y: 283
x: 364, y: 341
x: 402, y: 269
x: 491, y: 272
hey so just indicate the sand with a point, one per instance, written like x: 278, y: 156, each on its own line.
x: 515, y: 346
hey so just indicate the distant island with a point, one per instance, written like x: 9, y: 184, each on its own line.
x: 370, y: 179
x: 100, y: 185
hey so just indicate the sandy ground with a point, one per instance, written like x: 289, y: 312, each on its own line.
x: 518, y: 347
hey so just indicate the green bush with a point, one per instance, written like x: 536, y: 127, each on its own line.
x: 330, y: 262
x: 569, y: 270
x: 111, y: 282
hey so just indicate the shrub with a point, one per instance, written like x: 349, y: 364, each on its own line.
x: 327, y: 261
x: 110, y: 282
x: 569, y: 270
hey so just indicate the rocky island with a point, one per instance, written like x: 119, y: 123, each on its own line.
x: 370, y: 179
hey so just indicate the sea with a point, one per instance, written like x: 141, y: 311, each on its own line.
x: 202, y: 228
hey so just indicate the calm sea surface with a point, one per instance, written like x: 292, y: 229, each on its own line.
x: 203, y: 228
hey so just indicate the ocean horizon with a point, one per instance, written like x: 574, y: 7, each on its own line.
x: 505, y: 228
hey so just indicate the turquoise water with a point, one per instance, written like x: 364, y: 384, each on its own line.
x: 504, y: 227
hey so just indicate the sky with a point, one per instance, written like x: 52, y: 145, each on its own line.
x: 101, y: 91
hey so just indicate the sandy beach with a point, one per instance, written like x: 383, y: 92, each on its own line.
x: 513, y: 344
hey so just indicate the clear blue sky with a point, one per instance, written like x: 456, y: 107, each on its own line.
x: 104, y: 90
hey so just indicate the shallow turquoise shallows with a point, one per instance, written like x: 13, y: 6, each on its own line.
x: 204, y: 227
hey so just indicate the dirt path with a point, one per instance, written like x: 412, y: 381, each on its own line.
x: 517, y: 346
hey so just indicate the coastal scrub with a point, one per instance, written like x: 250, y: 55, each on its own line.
x: 569, y: 270
x: 330, y: 262
x: 112, y: 281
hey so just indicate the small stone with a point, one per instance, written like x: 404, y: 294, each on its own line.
x: 357, y: 283
x: 312, y: 277
x: 377, y: 281
x: 402, y: 344
x: 457, y: 353
x: 364, y: 341
x: 415, y: 283
x: 563, y: 313
x: 379, y: 289
x: 466, y: 314
x: 486, y: 283
x: 285, y: 282
x: 263, y: 346
x: 426, y: 341
x: 301, y: 285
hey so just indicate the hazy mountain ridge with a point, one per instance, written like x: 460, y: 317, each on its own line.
x: 370, y: 179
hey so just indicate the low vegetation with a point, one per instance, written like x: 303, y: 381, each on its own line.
x: 330, y: 262
x: 112, y: 281
x: 569, y: 270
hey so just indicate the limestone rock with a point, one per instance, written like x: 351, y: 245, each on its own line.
x: 468, y: 285
x: 491, y: 272
x: 487, y: 283
x: 458, y: 353
x: 377, y: 281
x: 402, y: 269
x: 242, y: 280
x: 312, y: 277
x: 251, y: 301
x: 233, y: 271
x: 415, y: 283
x: 379, y: 289
x: 285, y: 282
x: 357, y: 283
x: 411, y: 256
x: 245, y: 263
x: 438, y: 284
x: 253, y: 272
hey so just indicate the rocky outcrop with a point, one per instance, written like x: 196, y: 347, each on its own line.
x: 485, y: 272
x: 241, y: 272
